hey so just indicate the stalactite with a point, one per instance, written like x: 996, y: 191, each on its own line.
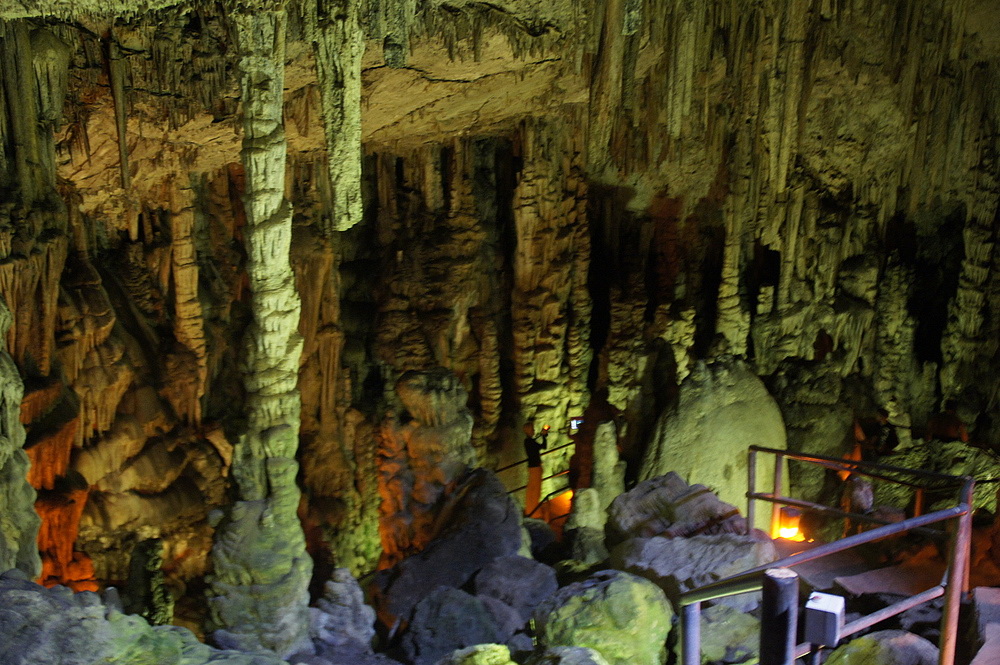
x: 338, y: 42
x: 116, y: 75
x: 550, y: 265
x: 61, y: 563
x: 188, y: 317
x: 261, y: 569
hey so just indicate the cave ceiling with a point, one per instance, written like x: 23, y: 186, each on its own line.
x: 562, y: 203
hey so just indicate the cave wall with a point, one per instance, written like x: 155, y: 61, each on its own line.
x: 564, y: 204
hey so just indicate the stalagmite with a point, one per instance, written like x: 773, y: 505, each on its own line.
x: 261, y: 569
x: 19, y: 527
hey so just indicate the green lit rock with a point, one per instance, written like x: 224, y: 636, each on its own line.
x: 723, y: 409
x: 623, y: 617
x: 481, y: 654
x: 886, y: 647
x: 18, y: 521
x: 56, y: 626
x: 727, y: 636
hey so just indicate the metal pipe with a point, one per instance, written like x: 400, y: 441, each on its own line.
x: 827, y: 510
x: 958, y: 561
x: 891, y: 611
x: 872, y: 465
x: 751, y: 486
x: 543, y: 454
x: 721, y: 588
x: 691, y: 634
x: 776, y: 491
x: 779, y: 618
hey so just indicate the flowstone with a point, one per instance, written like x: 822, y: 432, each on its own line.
x: 885, y: 647
x: 722, y: 410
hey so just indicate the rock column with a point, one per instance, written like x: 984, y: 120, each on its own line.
x: 261, y: 567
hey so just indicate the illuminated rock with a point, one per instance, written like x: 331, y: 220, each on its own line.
x: 885, y: 647
x: 623, y: 617
x: 677, y: 565
x: 723, y: 409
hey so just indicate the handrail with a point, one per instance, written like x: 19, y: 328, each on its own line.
x: 750, y: 580
x: 956, y: 578
x: 816, y: 459
x: 554, y: 475
x: 548, y: 451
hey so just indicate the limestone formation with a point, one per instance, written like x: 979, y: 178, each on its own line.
x: 722, y: 410
x: 574, y: 207
x: 57, y: 626
x: 341, y: 619
x: 19, y: 526
x: 518, y: 582
x: 677, y: 565
x: 623, y: 617
x: 479, y: 524
x: 666, y: 505
x: 885, y: 647
x: 261, y: 570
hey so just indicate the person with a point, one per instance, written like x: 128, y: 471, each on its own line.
x: 533, y: 452
x: 875, y: 436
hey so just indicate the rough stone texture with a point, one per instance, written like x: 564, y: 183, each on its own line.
x: 680, y: 564
x: 19, y: 523
x: 567, y: 656
x: 953, y: 458
x: 423, y: 451
x: 584, y: 528
x: 480, y: 523
x: 482, y: 654
x: 446, y: 620
x: 57, y: 626
x: 260, y: 567
x: 666, y: 505
x: 519, y: 582
x: 723, y: 408
x: 886, y: 647
x: 623, y: 617
x: 813, y: 185
x: 727, y: 635
x: 341, y: 619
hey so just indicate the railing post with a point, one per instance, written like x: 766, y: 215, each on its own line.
x: 779, y: 617
x: 691, y: 634
x: 918, y: 503
x: 776, y: 507
x: 751, y: 488
x: 957, y: 578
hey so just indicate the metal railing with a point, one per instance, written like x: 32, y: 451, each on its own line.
x: 953, y: 586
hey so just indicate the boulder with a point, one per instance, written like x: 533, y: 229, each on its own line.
x: 340, y: 618
x: 567, y: 656
x: 885, y: 647
x: 483, y: 524
x: 727, y: 636
x: 518, y: 582
x: 481, y: 654
x: 621, y: 616
x: 666, y: 505
x: 677, y: 565
x: 55, y: 625
x: 446, y: 620
x: 722, y: 409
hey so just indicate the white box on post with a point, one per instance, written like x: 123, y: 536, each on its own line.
x: 824, y: 619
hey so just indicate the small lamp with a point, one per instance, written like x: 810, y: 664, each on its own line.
x: 788, y: 524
